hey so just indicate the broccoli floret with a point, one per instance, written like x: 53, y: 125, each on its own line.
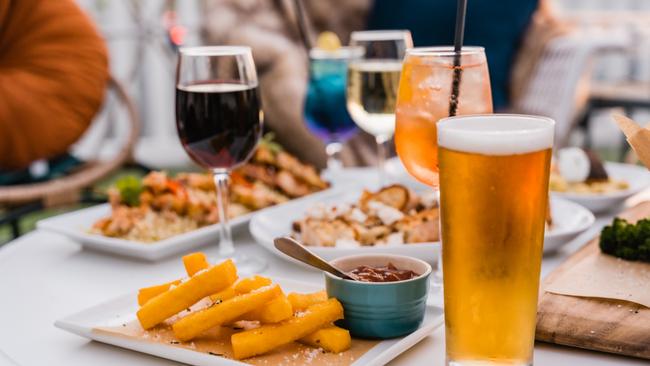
x: 608, y: 241
x: 628, y: 253
x: 130, y: 188
x: 625, y: 240
x: 644, y: 250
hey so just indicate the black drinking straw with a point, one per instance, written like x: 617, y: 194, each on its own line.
x: 302, y: 26
x: 458, y: 45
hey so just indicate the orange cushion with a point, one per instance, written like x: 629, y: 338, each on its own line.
x: 53, y: 74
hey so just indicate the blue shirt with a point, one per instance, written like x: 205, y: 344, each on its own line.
x: 497, y: 25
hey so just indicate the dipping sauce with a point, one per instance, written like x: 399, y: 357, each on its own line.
x: 388, y: 273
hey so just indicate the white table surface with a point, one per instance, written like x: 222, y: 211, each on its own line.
x: 44, y: 277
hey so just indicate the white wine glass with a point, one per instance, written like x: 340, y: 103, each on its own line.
x: 372, y: 85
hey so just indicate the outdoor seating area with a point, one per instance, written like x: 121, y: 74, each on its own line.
x: 302, y: 182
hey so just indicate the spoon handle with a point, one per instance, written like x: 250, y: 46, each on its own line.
x: 295, y: 250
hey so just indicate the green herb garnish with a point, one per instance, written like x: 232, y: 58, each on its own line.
x: 628, y: 241
x: 269, y: 143
x: 130, y: 188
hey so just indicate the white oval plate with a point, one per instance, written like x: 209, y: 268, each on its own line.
x: 276, y: 221
x: 637, y: 176
x: 570, y: 220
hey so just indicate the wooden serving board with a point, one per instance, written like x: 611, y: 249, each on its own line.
x: 613, y: 326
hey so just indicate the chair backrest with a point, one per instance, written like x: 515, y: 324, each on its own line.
x: 552, y: 90
x: 67, y: 189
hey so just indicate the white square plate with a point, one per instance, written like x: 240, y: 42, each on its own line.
x: 122, y: 309
x: 77, y: 224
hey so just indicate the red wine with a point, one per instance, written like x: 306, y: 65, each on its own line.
x: 219, y: 124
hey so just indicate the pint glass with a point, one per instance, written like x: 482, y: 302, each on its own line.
x: 494, y: 172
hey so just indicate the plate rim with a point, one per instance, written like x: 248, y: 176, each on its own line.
x: 578, y: 207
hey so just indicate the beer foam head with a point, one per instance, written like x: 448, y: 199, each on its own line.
x: 496, y: 134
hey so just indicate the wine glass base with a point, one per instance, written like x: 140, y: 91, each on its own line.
x: 245, y: 265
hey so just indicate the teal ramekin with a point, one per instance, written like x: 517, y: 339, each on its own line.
x: 380, y: 310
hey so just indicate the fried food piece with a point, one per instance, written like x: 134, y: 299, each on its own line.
x: 202, y: 181
x: 306, y: 173
x: 256, y: 196
x: 147, y: 293
x: 264, y: 155
x: 290, y: 185
x: 195, y: 262
x: 196, y: 323
x: 268, y: 337
x: 324, y: 233
x: 155, y: 181
x: 187, y: 294
x: 396, y: 196
x: 275, y: 311
x: 421, y: 227
x: 332, y: 339
x: 300, y: 302
x: 121, y: 221
x: 242, y: 286
x: 257, y: 172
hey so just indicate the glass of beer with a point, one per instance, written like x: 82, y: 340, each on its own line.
x: 494, y: 172
x: 424, y: 98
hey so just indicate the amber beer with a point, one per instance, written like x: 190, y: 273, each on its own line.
x: 494, y: 172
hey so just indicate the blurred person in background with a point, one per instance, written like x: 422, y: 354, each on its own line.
x: 53, y: 73
x: 271, y: 29
x: 497, y: 28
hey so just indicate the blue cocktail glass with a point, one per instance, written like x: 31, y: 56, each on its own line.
x: 326, y: 113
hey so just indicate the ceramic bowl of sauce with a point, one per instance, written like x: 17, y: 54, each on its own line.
x: 388, y: 300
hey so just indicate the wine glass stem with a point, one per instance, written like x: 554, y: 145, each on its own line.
x: 333, y: 150
x: 381, y: 157
x: 221, y: 181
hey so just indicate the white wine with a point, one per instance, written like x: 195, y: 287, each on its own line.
x: 372, y: 94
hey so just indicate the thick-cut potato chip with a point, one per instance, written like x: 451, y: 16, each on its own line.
x: 332, y: 339
x: 268, y: 337
x: 275, y: 311
x: 243, y: 286
x: 187, y: 294
x: 222, y: 313
x: 301, y: 302
x: 147, y: 293
x: 195, y: 262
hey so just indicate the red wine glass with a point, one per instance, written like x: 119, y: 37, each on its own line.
x: 219, y: 121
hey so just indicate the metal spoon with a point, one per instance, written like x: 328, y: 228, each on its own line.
x: 296, y: 250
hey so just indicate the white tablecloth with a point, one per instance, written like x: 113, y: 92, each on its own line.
x: 44, y: 277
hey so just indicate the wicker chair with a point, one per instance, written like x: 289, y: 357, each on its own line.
x: 553, y: 86
x: 19, y: 200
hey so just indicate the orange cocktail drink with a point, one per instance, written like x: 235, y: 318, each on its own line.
x: 424, y: 98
